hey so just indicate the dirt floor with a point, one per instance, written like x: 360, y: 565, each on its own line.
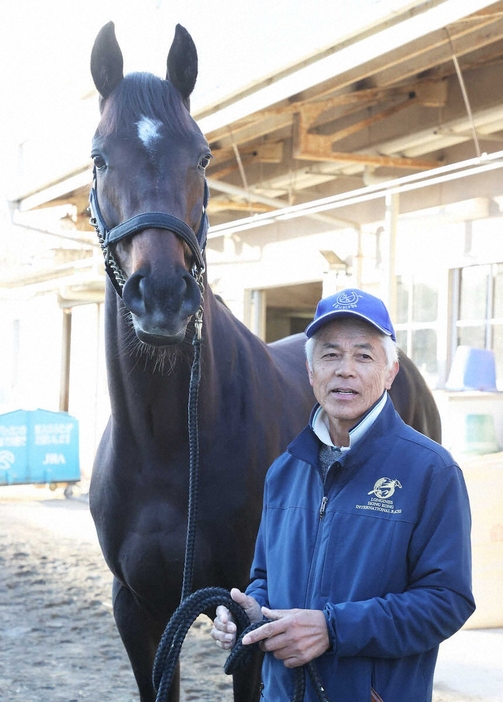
x: 58, y: 638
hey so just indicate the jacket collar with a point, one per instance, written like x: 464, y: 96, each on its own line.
x: 306, y: 445
x: 320, y: 425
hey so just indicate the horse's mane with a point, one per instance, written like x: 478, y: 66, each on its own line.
x: 144, y: 95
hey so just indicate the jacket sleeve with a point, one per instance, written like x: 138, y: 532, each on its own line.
x: 258, y: 585
x: 438, y: 598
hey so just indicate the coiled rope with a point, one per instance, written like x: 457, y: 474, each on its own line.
x: 168, y: 651
x: 185, y: 615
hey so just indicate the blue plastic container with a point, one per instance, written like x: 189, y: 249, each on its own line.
x: 473, y: 369
x: 39, y: 446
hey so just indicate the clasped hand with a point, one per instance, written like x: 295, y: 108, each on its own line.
x: 295, y: 636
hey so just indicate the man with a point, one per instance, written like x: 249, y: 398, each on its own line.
x: 362, y: 560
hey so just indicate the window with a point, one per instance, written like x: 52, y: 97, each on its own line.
x: 416, y: 325
x: 479, y: 315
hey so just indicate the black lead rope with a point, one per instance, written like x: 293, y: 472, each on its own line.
x: 190, y: 543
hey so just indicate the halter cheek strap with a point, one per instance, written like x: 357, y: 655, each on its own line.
x: 147, y: 220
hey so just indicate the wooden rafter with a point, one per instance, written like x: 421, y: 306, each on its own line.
x: 217, y: 204
x: 278, y: 118
x: 334, y: 105
x: 369, y: 121
x: 318, y: 147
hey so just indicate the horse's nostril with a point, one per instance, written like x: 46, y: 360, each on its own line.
x: 133, y: 294
x: 192, y: 294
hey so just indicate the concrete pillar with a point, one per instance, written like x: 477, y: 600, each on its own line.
x: 257, y: 313
x: 388, y: 251
x: 64, y: 387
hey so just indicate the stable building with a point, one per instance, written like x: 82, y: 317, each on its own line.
x: 374, y: 162
x: 372, y: 158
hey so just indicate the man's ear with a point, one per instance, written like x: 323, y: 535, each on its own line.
x: 309, y: 373
x: 392, y: 373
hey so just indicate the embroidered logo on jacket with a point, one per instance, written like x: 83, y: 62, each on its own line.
x: 382, y: 492
x: 385, y: 487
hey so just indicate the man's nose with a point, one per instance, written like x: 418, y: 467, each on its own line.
x: 345, y: 367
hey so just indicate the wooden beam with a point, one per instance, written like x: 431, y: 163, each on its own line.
x: 246, y: 131
x: 217, y: 205
x: 318, y: 147
x: 277, y: 118
x: 270, y: 152
x: 263, y: 152
x: 369, y: 121
x: 218, y: 173
x: 355, y: 97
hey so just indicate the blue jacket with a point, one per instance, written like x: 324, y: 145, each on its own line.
x: 383, y: 548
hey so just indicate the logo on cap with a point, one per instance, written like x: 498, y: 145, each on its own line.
x: 351, y: 302
x: 347, y: 299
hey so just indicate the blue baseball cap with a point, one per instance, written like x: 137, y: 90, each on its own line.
x: 352, y: 303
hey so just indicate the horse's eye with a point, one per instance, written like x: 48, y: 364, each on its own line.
x: 99, y: 162
x: 205, y: 161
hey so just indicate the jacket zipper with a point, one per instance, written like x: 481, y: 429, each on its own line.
x: 323, y: 506
x: 316, y: 548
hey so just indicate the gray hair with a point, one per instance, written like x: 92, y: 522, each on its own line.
x: 389, y: 346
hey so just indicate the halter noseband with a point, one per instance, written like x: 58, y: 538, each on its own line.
x: 133, y: 225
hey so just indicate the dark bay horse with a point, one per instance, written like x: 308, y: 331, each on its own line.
x: 150, y: 157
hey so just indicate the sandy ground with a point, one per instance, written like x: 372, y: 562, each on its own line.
x: 58, y: 638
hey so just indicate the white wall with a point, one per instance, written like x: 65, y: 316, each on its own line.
x: 30, y: 365
x: 30, y: 354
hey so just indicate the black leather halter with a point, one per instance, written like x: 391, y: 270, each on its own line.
x: 133, y: 225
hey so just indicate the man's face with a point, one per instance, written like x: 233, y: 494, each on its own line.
x: 349, y: 374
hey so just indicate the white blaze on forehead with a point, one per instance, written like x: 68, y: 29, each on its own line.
x: 149, y: 131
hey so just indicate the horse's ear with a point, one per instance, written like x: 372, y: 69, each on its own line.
x: 182, y: 62
x: 106, y: 61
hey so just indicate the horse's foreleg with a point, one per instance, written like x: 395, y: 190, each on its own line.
x: 246, y: 683
x: 140, y: 634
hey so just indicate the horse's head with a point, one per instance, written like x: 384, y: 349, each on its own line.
x: 149, y: 191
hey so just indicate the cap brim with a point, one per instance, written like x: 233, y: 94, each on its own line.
x: 329, y: 316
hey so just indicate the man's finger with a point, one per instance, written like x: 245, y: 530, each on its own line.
x: 275, y: 614
x: 263, y: 632
x: 222, y: 614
